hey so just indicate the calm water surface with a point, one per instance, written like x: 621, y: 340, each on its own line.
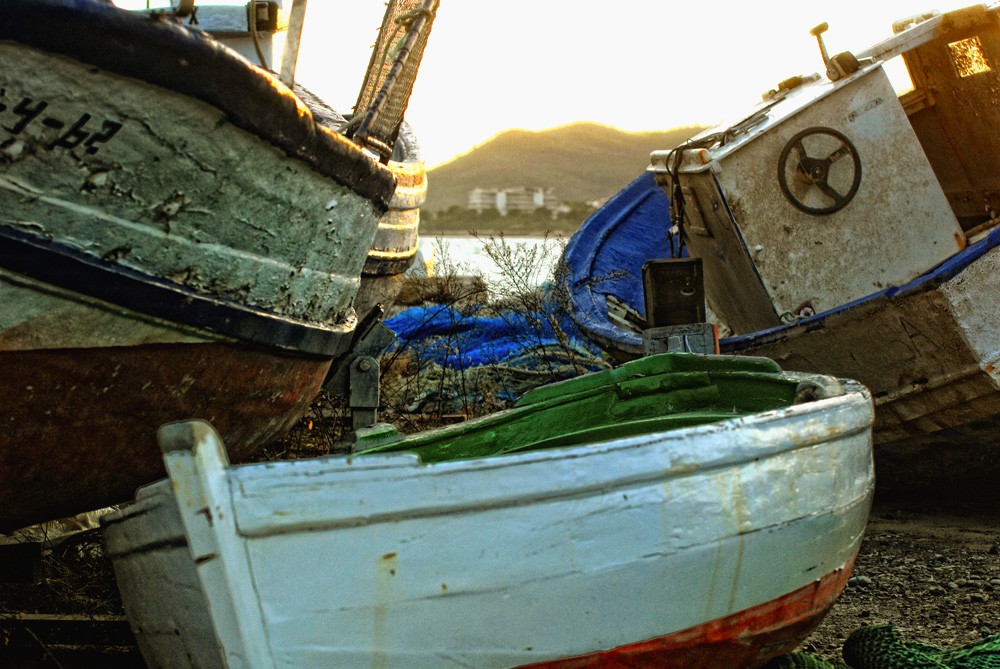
x: 467, y: 255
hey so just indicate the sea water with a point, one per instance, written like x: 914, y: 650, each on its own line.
x: 468, y: 255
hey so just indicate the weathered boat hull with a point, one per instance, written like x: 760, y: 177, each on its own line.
x: 92, y: 371
x: 932, y: 369
x: 658, y: 549
x: 178, y: 237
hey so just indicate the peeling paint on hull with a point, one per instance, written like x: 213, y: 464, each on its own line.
x: 932, y: 371
x: 182, y: 194
x: 179, y: 237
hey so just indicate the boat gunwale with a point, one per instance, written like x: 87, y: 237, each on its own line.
x: 747, y: 442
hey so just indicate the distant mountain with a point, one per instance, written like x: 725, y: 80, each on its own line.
x: 580, y: 162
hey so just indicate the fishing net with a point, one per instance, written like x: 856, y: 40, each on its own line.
x: 882, y: 647
x: 389, y: 79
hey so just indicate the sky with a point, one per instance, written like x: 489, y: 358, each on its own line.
x: 634, y: 64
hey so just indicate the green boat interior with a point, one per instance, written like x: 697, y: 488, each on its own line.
x: 653, y: 394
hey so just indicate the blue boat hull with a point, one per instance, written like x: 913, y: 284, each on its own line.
x: 604, y: 262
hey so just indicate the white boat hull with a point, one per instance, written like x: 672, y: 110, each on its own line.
x: 380, y: 561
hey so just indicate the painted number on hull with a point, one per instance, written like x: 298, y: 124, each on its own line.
x: 71, y: 135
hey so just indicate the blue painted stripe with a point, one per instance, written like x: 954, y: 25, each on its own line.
x: 943, y: 272
x: 67, y: 268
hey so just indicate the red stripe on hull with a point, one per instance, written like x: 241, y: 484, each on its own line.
x: 78, y: 426
x: 741, y: 641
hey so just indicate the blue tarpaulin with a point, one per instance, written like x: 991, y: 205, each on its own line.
x: 449, y: 338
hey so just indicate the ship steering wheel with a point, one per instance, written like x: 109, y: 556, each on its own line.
x: 819, y: 171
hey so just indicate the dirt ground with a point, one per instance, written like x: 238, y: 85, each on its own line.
x: 931, y: 570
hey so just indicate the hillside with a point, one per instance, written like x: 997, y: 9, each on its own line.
x: 581, y: 162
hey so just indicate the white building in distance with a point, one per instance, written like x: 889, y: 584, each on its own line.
x: 505, y: 200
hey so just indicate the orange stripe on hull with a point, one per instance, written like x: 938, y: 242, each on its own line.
x: 743, y: 640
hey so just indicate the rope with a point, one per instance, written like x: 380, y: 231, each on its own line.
x: 403, y: 22
x: 676, y: 199
x: 252, y: 24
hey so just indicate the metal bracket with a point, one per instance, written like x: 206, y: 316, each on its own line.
x: 371, y: 338
x: 364, y: 379
x: 357, y: 376
x: 691, y: 338
x: 366, y: 431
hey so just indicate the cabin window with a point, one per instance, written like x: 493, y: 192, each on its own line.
x: 899, y: 75
x: 968, y: 57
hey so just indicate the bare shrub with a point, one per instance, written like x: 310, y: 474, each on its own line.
x: 529, y: 300
x: 432, y: 380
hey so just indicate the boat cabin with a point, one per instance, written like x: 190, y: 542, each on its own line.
x: 836, y: 187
